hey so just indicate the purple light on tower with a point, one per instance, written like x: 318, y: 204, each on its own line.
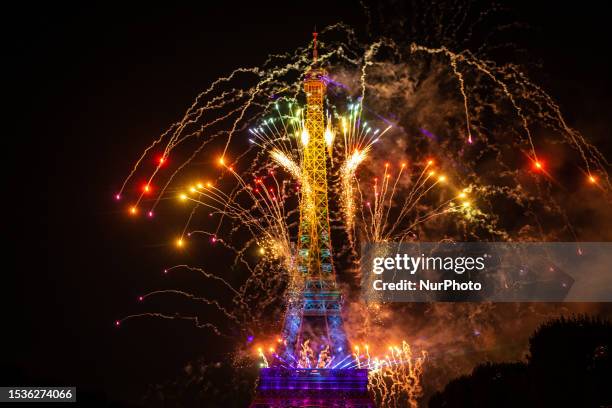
x: 313, y: 387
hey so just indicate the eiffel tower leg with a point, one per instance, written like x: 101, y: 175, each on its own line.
x: 291, y: 330
x: 337, y: 336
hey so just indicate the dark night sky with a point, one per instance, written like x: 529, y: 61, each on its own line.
x: 88, y: 89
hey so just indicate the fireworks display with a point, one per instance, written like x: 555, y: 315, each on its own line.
x: 423, y: 143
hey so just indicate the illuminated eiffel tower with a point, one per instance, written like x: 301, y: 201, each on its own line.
x: 316, y: 367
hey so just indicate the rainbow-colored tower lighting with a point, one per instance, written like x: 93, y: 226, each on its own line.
x: 316, y: 367
x: 313, y: 312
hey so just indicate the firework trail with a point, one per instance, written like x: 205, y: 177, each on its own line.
x: 444, y: 168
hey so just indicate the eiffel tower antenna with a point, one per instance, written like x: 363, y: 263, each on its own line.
x: 314, y: 46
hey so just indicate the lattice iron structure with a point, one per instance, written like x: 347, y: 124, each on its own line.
x: 319, y: 296
x: 313, y: 318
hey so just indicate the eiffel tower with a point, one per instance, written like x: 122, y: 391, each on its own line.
x: 316, y: 368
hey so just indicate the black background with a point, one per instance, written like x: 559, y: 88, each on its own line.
x: 87, y: 88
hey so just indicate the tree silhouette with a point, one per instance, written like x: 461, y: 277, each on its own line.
x: 569, y: 365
